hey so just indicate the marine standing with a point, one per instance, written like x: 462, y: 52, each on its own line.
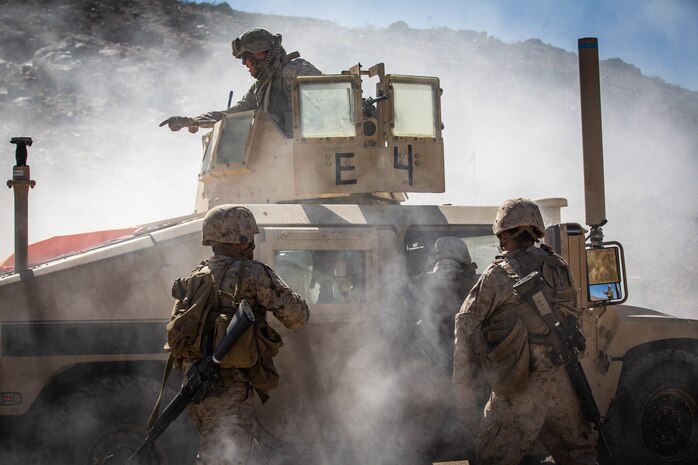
x: 225, y: 417
x: 531, y: 397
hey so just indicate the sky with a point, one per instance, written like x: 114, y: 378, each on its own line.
x: 658, y: 36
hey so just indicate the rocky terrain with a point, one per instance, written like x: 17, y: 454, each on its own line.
x: 90, y: 80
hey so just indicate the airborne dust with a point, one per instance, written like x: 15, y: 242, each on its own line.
x: 90, y: 80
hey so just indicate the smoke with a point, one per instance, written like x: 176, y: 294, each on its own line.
x: 92, y: 97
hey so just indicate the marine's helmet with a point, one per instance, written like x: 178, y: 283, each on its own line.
x: 516, y: 213
x: 453, y: 248
x: 254, y: 41
x: 229, y: 224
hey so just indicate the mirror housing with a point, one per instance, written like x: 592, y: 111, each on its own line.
x: 606, y: 278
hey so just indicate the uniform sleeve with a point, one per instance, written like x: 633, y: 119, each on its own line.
x: 476, y: 307
x: 295, y: 68
x: 287, y: 306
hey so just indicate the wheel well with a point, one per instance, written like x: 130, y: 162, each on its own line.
x: 642, y: 351
x: 640, y: 354
x: 78, y: 375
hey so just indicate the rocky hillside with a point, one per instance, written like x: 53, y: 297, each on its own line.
x: 90, y: 80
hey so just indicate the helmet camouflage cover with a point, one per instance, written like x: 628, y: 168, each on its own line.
x: 453, y: 248
x: 254, y: 41
x: 229, y: 224
x: 515, y: 213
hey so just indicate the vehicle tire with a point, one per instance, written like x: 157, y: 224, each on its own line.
x: 654, y: 418
x: 103, y: 423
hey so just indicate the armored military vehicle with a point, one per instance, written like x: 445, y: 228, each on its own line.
x: 81, y: 334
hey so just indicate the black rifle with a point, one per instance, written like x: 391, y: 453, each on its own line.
x: 202, y: 378
x: 567, y: 341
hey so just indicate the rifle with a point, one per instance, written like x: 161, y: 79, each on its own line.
x: 568, y: 341
x: 202, y: 378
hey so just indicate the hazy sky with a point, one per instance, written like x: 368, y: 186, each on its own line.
x: 658, y: 36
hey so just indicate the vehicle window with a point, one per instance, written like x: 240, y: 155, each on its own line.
x: 233, y: 138
x: 414, y: 107
x: 419, y: 246
x: 324, y: 276
x: 327, y: 109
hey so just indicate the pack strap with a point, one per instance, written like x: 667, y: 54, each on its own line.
x: 156, y: 408
x: 535, y: 338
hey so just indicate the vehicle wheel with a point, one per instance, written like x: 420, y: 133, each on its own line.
x: 654, y: 419
x: 103, y: 423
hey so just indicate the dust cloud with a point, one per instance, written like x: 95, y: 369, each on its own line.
x: 92, y: 102
x: 92, y: 99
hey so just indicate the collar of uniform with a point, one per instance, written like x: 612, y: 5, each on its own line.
x: 216, y: 259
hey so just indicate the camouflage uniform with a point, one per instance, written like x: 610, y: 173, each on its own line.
x: 225, y: 418
x: 271, y: 92
x: 547, y: 407
x: 277, y: 87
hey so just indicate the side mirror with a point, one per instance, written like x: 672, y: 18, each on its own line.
x: 606, y: 274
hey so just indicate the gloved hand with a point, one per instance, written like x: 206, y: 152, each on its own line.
x: 175, y: 123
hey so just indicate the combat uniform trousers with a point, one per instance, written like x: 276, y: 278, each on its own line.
x: 226, y: 424
x: 548, y: 408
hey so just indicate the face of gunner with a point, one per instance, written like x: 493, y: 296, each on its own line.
x: 253, y: 61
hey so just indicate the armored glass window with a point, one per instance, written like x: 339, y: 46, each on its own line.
x: 235, y: 131
x: 225, y: 147
x: 327, y: 109
x: 414, y: 110
x: 324, y: 276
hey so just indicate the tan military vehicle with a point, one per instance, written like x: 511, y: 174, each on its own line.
x: 81, y: 334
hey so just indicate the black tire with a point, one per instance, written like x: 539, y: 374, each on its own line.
x: 103, y: 423
x: 654, y: 418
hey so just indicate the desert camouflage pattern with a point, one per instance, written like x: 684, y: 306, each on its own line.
x: 548, y: 408
x: 512, y: 423
x: 229, y: 224
x: 225, y: 418
x: 514, y: 213
x: 263, y: 289
x: 226, y: 424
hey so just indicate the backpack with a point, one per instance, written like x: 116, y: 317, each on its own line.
x: 196, y: 316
